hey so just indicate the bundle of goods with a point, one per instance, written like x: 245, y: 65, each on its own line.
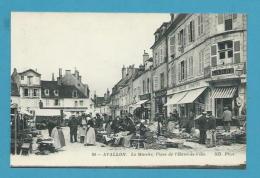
x: 239, y: 136
x: 45, y: 146
x: 161, y: 140
x: 150, y: 137
x: 174, y: 143
x: 227, y: 138
x: 185, y: 135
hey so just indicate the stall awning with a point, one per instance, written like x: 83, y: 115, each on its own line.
x: 175, y: 98
x: 47, y: 112
x: 192, y: 95
x: 227, y: 92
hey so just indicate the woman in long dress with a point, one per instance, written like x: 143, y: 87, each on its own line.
x: 90, y: 138
x: 58, y: 137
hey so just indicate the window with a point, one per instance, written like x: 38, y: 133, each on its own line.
x: 75, y: 103
x: 74, y: 94
x: 200, y: 24
x: 56, y: 92
x: 180, y: 38
x: 56, y: 102
x: 35, y: 92
x: 148, y: 85
x: 26, y: 92
x: 191, y: 32
x: 190, y: 71
x: 183, y: 70
x: 173, y: 75
x: 172, y: 46
x: 225, y: 50
x: 236, y: 51
x: 22, y: 77
x: 201, y: 62
x: 47, y: 92
x: 228, y: 24
x: 162, y: 80
x: 30, y: 79
x: 81, y: 102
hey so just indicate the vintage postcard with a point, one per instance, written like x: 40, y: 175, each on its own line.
x: 128, y: 90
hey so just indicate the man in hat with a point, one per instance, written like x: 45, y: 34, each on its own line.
x: 73, y: 125
x: 202, y: 121
x: 227, y: 118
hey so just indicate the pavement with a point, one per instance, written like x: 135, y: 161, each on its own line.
x: 78, y: 155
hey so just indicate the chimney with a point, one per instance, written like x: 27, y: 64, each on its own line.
x: 145, y: 57
x: 80, y: 78
x: 60, y: 72
x: 53, y: 77
x: 172, y: 17
x: 108, y: 93
x: 67, y: 72
x: 123, y: 72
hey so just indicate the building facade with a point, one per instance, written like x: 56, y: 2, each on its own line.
x: 207, y: 59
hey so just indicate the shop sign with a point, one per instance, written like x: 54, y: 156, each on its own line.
x: 160, y: 93
x: 223, y: 71
x: 145, y: 96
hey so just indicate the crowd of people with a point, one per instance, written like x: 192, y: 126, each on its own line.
x: 84, y: 127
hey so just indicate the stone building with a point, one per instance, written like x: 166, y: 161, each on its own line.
x: 160, y: 71
x: 206, y: 63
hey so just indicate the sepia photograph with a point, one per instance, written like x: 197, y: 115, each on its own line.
x: 146, y: 90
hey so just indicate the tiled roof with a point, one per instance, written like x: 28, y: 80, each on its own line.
x: 30, y: 70
x: 64, y: 91
x: 14, y: 90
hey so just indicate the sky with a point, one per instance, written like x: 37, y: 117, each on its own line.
x: 96, y: 44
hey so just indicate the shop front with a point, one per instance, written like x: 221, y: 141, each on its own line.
x: 189, y: 100
x: 142, y: 109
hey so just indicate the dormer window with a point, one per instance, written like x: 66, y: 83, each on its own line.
x: 56, y: 92
x: 74, y: 94
x: 46, y: 92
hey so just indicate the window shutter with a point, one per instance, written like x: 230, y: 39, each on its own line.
x: 237, y: 52
x: 201, y: 24
x: 184, y: 36
x: 199, y: 17
x: 185, y: 69
x: 179, y: 39
x: 193, y: 30
x: 172, y: 45
x: 189, y: 31
x: 179, y: 71
x: 155, y: 82
x: 214, y: 55
x: 191, y: 67
x: 220, y: 19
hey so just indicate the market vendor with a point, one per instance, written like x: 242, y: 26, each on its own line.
x: 115, y: 125
x: 211, y: 130
x: 202, y: 121
x: 142, y: 129
x: 90, y: 138
x: 227, y: 118
x: 130, y: 127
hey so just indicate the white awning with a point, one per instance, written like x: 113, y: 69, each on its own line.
x: 138, y: 104
x: 192, y: 95
x: 175, y: 98
x: 227, y: 92
x: 47, y: 112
